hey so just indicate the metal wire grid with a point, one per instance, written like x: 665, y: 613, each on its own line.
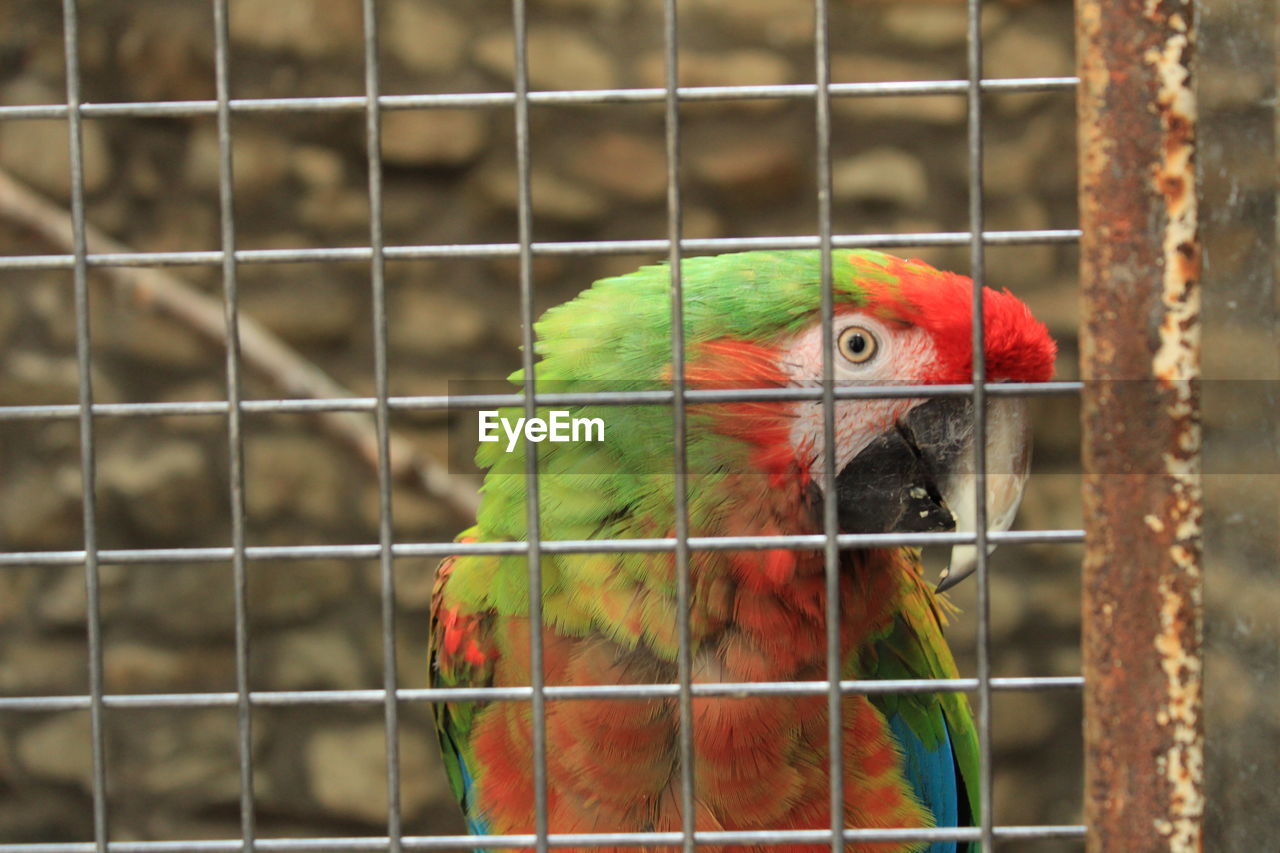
x: 386, y: 550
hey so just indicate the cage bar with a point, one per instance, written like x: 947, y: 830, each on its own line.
x: 830, y: 518
x: 977, y: 264
x: 235, y: 421
x: 593, y: 398
x: 639, y: 840
x: 598, y: 398
x: 558, y: 546
x: 382, y: 421
x: 88, y: 444
x: 515, y: 694
x: 584, y: 97
x: 533, y: 520
x: 511, y: 250
x: 1140, y: 335
x: 679, y: 418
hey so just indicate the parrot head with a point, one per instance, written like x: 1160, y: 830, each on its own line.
x: 908, y: 464
x: 753, y: 320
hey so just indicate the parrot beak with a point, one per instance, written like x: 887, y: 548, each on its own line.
x: 1008, y: 465
x: 919, y: 476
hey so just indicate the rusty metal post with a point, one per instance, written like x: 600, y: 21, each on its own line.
x: 1140, y: 267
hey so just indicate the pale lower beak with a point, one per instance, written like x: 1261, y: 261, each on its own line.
x: 1008, y: 465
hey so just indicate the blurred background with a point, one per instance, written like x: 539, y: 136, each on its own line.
x: 598, y: 174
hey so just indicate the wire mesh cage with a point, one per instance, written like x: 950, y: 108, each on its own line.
x: 354, y: 201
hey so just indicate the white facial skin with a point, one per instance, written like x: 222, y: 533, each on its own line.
x: 904, y: 355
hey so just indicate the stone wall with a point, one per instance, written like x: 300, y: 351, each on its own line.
x: 599, y: 173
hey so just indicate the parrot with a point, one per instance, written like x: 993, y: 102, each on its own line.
x: 754, y: 468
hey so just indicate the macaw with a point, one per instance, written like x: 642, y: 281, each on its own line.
x: 752, y: 320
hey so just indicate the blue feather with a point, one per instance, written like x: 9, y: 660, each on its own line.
x: 476, y: 824
x: 932, y: 772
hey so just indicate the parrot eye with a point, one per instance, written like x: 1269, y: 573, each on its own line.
x: 857, y: 344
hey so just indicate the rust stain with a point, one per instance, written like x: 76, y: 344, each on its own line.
x: 1140, y: 352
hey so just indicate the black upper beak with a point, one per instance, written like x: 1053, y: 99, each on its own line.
x: 918, y: 476
x: 893, y: 485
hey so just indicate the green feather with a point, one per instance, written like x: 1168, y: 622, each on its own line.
x: 913, y: 648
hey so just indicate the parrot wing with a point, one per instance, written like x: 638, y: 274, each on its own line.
x: 935, y: 730
x: 461, y: 655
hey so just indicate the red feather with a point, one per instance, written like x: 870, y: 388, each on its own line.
x: 730, y: 364
x: 1017, y: 346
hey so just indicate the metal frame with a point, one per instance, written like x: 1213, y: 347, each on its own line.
x: 1140, y: 270
x: 225, y: 109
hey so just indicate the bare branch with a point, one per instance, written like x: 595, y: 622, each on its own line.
x: 167, y: 295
